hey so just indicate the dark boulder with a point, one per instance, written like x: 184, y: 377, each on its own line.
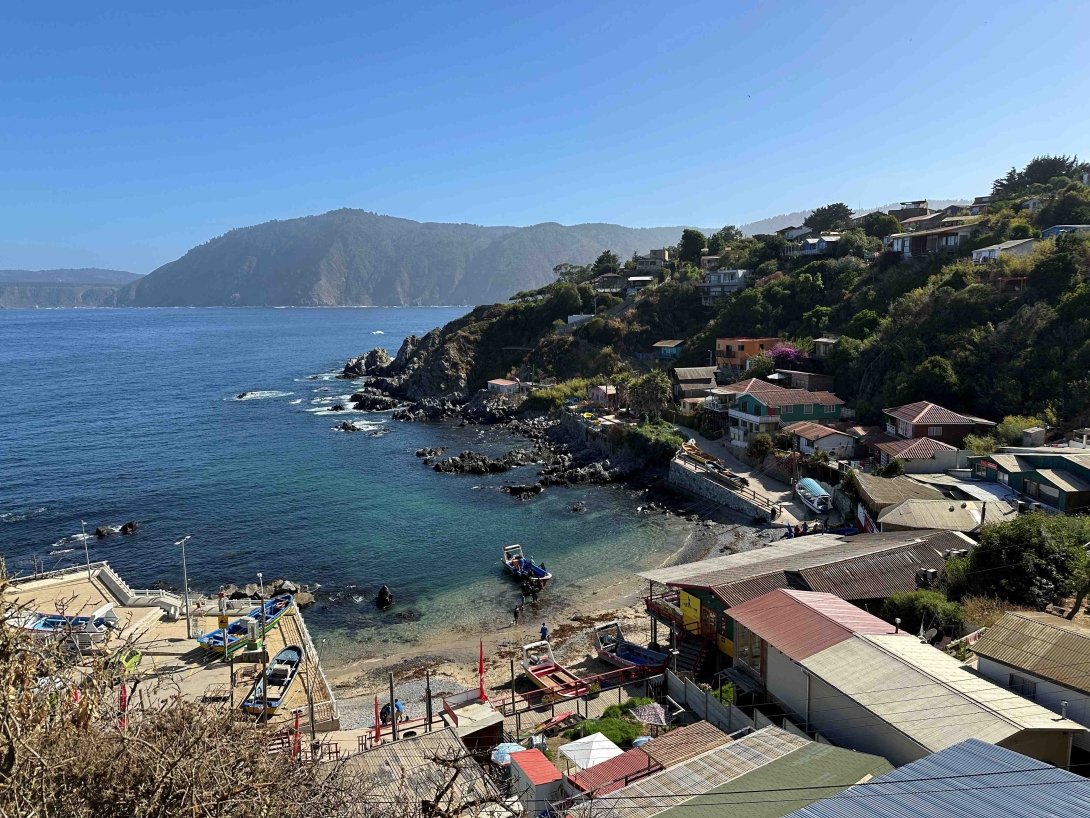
x: 385, y: 598
x: 103, y: 531
x: 129, y: 527
x: 337, y: 407
x: 522, y: 491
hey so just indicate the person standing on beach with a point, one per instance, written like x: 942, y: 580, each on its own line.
x: 517, y: 611
x: 544, y: 632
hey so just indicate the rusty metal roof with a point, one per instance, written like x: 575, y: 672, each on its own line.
x: 879, y: 492
x: 802, y: 623
x: 615, y: 773
x: 684, y: 743
x: 1043, y: 644
x: 874, y: 576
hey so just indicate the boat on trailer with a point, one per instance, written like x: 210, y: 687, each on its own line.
x: 612, y: 647
x: 522, y: 567
x: 236, y: 634
x: 814, y: 496
x: 274, y: 684
x: 543, y: 670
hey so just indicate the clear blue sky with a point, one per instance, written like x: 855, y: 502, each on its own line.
x: 127, y: 135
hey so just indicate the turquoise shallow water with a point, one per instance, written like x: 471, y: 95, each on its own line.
x: 115, y: 415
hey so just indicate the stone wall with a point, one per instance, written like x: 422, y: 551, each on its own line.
x: 691, y: 481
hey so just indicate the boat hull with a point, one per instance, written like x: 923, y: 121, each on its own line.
x: 236, y: 639
x: 278, y: 682
x: 629, y: 655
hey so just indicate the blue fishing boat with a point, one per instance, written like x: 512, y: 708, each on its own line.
x: 236, y: 634
x: 87, y: 631
x: 271, y: 688
x: 813, y: 496
x: 612, y: 647
x: 522, y: 567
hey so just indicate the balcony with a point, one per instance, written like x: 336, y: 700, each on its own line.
x: 765, y: 420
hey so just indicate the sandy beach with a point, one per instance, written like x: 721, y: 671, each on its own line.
x: 450, y: 656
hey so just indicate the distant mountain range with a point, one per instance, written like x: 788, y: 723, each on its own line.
x: 353, y: 257
x: 78, y: 275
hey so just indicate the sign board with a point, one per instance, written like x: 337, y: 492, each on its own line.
x: 256, y: 657
x: 224, y: 621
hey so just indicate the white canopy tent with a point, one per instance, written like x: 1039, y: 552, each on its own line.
x: 590, y: 750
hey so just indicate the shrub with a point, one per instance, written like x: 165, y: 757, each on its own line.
x: 894, y: 468
x: 619, y: 731
x: 760, y: 446
x: 924, y: 610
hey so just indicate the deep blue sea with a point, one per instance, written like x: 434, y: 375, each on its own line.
x: 115, y: 415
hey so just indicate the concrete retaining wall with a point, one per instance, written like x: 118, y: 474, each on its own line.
x: 691, y: 482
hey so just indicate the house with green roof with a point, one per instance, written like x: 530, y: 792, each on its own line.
x: 1057, y: 479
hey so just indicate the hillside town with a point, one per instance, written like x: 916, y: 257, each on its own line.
x: 913, y: 623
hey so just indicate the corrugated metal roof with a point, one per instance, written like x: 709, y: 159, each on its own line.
x: 876, y: 576
x: 1042, y: 644
x: 397, y: 770
x: 1011, y: 462
x: 684, y: 743
x: 791, y: 397
x: 812, y: 431
x: 610, y: 775
x: 782, y: 548
x: 916, y: 448
x: 695, y: 373
x: 879, y: 492
x: 701, y: 774
x: 802, y: 623
x: 952, y: 515
x: 667, y: 344
x: 735, y: 593
x: 973, y: 779
x: 1064, y: 479
x: 800, y: 778
x: 925, y: 694
x: 926, y: 412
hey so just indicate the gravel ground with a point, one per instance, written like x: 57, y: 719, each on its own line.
x: 359, y: 712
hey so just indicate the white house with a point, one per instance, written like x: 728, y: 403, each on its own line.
x: 718, y: 283
x: 865, y: 685
x: 1043, y: 658
x: 812, y: 437
x: 637, y: 283
x: 503, y: 386
x: 1017, y: 247
x: 1033, y: 205
x: 536, y: 781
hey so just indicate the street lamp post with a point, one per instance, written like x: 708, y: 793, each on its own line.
x: 86, y: 551
x: 185, y: 585
x: 261, y: 583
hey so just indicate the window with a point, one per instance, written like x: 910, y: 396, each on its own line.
x: 829, y: 408
x: 1043, y: 492
x: 934, y: 431
x: 741, y: 347
x: 1023, y: 686
x: 808, y: 408
x: 1003, y: 478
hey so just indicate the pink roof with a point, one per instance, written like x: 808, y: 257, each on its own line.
x: 917, y: 448
x: 803, y: 623
x: 790, y: 397
x: 610, y: 775
x: 536, y: 767
x: 503, y: 382
x: 926, y: 412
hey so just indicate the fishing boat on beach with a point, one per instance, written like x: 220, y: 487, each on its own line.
x: 85, y: 631
x: 612, y: 647
x: 543, y: 670
x: 522, y: 567
x: 813, y: 496
x: 271, y: 688
x: 236, y: 634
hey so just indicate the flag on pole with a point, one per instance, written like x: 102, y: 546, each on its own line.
x: 123, y: 695
x: 378, y: 724
x: 295, y: 744
x: 480, y: 672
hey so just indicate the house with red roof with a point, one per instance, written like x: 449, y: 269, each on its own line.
x: 536, y: 780
x: 926, y: 419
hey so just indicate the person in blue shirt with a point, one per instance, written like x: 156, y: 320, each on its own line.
x: 400, y: 708
x: 544, y: 632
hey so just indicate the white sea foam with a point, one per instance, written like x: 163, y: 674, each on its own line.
x: 297, y: 400
x: 20, y: 516
x: 378, y: 332
x: 261, y: 394
x: 61, y: 551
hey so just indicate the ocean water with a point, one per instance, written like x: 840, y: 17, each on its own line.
x: 115, y: 415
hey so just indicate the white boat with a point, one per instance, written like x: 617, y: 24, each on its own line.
x: 814, y: 496
x: 612, y: 647
x: 85, y: 631
x: 522, y: 567
x: 272, y: 687
x: 543, y: 670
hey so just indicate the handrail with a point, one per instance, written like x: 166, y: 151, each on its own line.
x: 331, y: 702
x: 744, y: 492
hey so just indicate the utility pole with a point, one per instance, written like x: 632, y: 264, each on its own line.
x: 185, y: 584
x: 393, y: 710
x: 264, y: 666
x: 86, y: 551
